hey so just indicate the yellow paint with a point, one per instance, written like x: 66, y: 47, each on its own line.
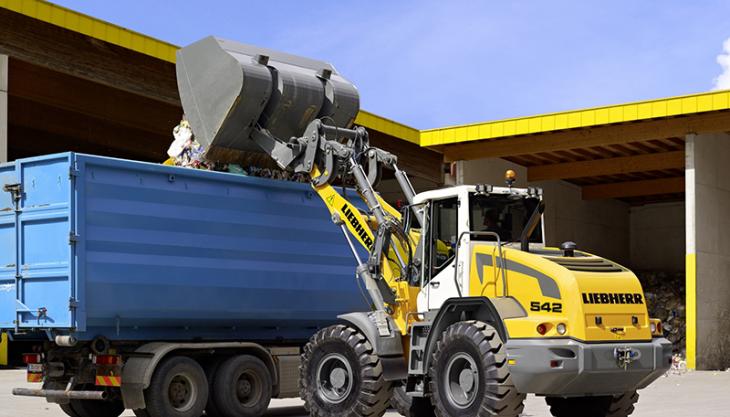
x: 583, y: 118
x: 129, y: 39
x: 3, y: 349
x: 389, y: 127
x: 360, y: 228
x: 577, y: 316
x: 691, y: 303
x: 90, y: 26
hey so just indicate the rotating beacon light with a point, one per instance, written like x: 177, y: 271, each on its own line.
x: 510, y: 176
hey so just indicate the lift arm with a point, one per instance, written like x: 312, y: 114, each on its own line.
x: 241, y: 99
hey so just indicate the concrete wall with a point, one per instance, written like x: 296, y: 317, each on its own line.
x: 600, y: 226
x: 708, y: 243
x: 657, y: 234
x: 597, y: 226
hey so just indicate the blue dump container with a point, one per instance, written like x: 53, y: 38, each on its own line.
x: 94, y: 246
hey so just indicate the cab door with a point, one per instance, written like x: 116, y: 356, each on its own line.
x: 440, y: 279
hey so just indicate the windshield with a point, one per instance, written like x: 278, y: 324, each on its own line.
x: 504, y: 214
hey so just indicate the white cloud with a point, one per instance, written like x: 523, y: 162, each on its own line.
x: 722, y: 82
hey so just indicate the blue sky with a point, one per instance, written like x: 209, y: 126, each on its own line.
x: 436, y: 63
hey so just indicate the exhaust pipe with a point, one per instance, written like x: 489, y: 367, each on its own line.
x: 66, y: 341
x: 57, y: 393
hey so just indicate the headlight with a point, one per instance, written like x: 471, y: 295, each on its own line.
x: 561, y: 329
x: 653, y: 327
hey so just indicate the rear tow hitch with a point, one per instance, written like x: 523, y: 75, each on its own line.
x: 625, y: 355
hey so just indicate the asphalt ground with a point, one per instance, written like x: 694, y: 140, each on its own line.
x: 693, y: 394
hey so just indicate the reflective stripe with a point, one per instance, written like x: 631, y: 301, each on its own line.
x: 109, y: 381
x: 34, y: 377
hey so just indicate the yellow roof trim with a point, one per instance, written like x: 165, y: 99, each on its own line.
x: 90, y: 26
x: 389, y: 127
x: 117, y: 35
x: 643, y: 110
x: 629, y: 112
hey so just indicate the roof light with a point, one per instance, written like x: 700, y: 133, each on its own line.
x: 509, y: 177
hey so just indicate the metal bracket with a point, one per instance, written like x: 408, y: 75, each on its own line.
x: 625, y: 356
x: 16, y: 192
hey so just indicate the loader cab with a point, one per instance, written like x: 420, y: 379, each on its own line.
x: 455, y: 217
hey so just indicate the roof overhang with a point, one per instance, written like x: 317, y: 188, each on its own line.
x: 632, y: 151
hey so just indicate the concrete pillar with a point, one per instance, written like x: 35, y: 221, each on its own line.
x: 708, y: 250
x: 3, y: 108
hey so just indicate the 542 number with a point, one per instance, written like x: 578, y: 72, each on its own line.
x: 549, y: 307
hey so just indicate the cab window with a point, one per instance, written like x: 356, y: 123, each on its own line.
x: 503, y: 214
x: 443, y: 234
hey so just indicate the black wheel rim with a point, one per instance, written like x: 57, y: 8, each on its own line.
x: 334, y: 378
x: 182, y: 392
x: 461, y: 381
x: 249, y: 388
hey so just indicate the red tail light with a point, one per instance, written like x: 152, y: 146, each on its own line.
x: 107, y: 360
x: 542, y: 329
x: 30, y: 358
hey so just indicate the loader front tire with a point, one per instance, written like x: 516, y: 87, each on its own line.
x: 469, y: 375
x: 341, y: 376
x: 603, y: 406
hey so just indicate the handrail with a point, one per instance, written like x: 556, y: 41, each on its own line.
x: 501, y: 259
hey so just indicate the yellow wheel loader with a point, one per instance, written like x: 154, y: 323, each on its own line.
x: 470, y: 310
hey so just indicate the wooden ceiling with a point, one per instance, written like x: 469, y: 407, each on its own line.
x: 637, y: 162
x: 637, y: 172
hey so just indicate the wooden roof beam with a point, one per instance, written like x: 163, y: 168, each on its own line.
x: 634, y: 188
x: 608, y: 166
x: 710, y: 122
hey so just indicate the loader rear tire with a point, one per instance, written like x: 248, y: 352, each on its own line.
x: 341, y: 376
x: 410, y: 406
x: 469, y: 375
x: 604, y: 406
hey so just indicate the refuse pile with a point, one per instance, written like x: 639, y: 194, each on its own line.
x: 665, y: 298
x: 185, y: 151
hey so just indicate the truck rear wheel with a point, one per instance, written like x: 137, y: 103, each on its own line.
x: 341, y: 376
x: 93, y: 408
x: 96, y: 408
x: 66, y: 408
x: 210, y: 367
x: 605, y: 406
x: 410, y: 406
x: 242, y: 387
x: 178, y: 389
x: 469, y: 376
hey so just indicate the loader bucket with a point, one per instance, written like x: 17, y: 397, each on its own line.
x: 227, y: 89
